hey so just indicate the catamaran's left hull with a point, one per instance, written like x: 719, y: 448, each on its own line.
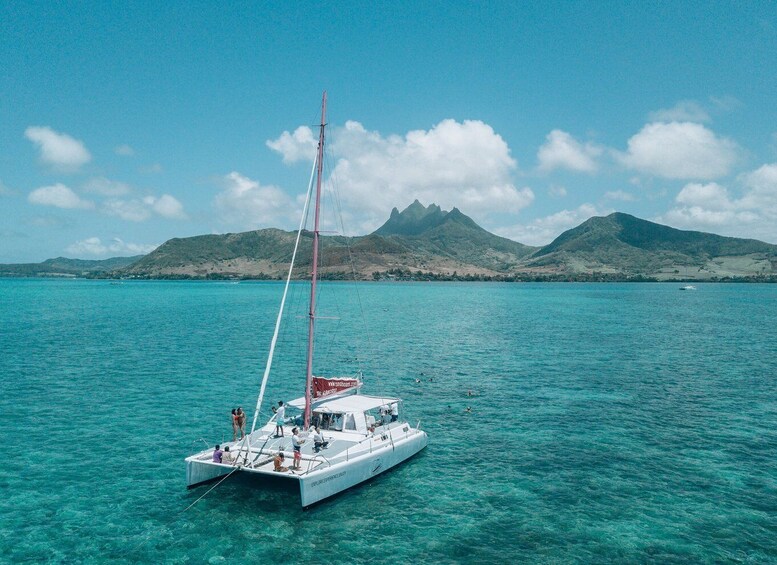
x: 199, y: 472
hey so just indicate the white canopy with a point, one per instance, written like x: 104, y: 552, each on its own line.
x: 341, y: 404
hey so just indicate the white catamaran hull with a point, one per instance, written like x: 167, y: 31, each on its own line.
x: 321, y: 483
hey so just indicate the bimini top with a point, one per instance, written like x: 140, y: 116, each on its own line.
x: 341, y: 404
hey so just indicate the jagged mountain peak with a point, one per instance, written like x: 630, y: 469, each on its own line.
x: 413, y: 220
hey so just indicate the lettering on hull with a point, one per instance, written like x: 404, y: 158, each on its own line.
x: 327, y: 479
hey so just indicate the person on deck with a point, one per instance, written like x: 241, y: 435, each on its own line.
x: 394, y: 412
x: 217, y: 454
x: 226, y: 457
x: 280, y: 415
x: 319, y: 442
x: 234, y: 425
x: 296, y: 444
x: 278, y: 462
x: 241, y: 422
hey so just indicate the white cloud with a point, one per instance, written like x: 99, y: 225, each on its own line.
x: 300, y: 145
x: 683, y: 111
x: 680, y: 150
x: 106, y: 187
x: 712, y: 196
x: 621, y: 195
x: 94, y: 246
x: 562, y: 151
x: 465, y: 165
x: 542, y: 231
x: 710, y: 207
x: 124, y: 150
x: 141, y: 209
x: 762, y: 189
x: 246, y: 204
x: 59, y: 196
x: 58, y: 150
x: 166, y: 206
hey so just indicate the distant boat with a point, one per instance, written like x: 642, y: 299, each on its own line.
x: 360, y: 436
x: 688, y: 287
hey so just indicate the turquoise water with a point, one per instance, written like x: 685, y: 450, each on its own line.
x: 610, y: 423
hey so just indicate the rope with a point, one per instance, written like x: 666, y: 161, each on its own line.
x: 210, y: 489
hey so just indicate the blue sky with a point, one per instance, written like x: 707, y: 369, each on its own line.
x: 124, y: 125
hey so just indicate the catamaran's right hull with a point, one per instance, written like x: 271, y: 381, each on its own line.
x: 323, y: 483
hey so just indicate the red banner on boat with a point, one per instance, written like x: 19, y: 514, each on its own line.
x: 326, y: 387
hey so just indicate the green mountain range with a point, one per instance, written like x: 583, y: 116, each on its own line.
x: 64, y: 267
x: 429, y: 243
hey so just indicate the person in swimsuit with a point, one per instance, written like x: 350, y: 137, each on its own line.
x: 278, y: 462
x: 241, y: 422
x: 234, y: 425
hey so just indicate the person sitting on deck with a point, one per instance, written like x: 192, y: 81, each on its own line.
x: 319, y: 442
x: 217, y: 454
x: 278, y: 461
x: 296, y: 444
x: 227, y: 457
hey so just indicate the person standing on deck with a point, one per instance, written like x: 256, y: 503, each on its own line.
x: 395, y: 412
x: 279, y: 417
x: 296, y: 444
x: 241, y: 422
x: 234, y: 425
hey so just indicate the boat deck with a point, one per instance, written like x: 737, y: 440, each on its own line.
x: 265, y: 445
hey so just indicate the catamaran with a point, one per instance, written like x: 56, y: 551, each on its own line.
x: 343, y: 437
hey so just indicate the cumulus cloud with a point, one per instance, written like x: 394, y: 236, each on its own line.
x: 542, y: 231
x: 94, y: 246
x: 710, y: 207
x: 710, y: 195
x: 124, y: 150
x: 246, y: 204
x: 463, y: 164
x: 166, y: 206
x: 141, y: 209
x: 683, y: 111
x: 58, y: 150
x: 300, y: 145
x: 761, y: 189
x: 621, y: 195
x: 59, y: 196
x: 680, y: 150
x: 562, y: 151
